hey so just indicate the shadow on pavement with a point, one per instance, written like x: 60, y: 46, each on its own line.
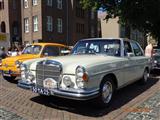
x: 121, y: 97
x: 13, y: 81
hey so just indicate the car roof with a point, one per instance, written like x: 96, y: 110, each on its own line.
x: 124, y: 39
x: 54, y: 44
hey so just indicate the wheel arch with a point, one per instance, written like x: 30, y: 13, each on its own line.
x: 113, y: 77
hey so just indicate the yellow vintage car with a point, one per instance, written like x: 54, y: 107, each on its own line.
x: 10, y: 65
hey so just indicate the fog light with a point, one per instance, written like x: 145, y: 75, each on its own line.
x: 67, y: 81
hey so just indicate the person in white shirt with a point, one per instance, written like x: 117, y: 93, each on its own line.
x: 149, y: 50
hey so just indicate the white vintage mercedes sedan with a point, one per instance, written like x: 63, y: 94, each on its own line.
x: 95, y: 68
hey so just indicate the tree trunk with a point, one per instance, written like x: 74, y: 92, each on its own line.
x: 127, y: 31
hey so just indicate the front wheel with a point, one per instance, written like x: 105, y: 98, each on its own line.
x: 106, y: 92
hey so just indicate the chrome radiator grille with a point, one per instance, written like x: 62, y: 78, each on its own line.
x: 47, y: 69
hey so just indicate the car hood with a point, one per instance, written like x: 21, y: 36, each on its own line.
x: 23, y: 57
x: 71, y: 62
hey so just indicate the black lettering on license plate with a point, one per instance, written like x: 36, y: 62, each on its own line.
x: 40, y: 91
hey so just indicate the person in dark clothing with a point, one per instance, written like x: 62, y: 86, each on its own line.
x: 2, y: 53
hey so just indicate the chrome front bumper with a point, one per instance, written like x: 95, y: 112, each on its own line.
x: 25, y: 84
x: 83, y: 95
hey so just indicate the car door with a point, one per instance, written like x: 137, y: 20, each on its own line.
x: 139, y: 58
x: 130, y: 62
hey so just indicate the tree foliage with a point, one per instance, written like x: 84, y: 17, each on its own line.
x: 140, y: 14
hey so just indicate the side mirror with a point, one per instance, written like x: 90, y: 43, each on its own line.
x: 130, y: 55
x: 65, y: 52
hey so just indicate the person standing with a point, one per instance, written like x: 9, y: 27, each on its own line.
x: 2, y: 53
x: 149, y: 50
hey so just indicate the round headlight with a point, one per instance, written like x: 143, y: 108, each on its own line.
x: 18, y: 63
x: 81, y: 77
x: 67, y: 81
x: 23, y: 67
x: 155, y: 61
x: 81, y: 73
x: 23, y: 75
x: 30, y: 76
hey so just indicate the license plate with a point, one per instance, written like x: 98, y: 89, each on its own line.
x: 6, y: 73
x: 42, y: 91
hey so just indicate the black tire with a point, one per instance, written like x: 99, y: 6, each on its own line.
x: 102, y: 100
x: 145, y: 76
x: 9, y: 78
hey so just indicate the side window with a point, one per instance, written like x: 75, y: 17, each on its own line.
x: 51, y: 51
x: 127, y: 48
x: 137, y: 50
x: 95, y: 48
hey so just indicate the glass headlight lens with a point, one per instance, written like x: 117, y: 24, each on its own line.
x: 155, y: 61
x: 18, y: 63
x: 81, y: 77
x: 30, y: 76
x: 67, y: 81
x: 23, y: 67
x: 23, y: 75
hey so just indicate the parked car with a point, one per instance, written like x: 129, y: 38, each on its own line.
x: 94, y: 70
x: 156, y: 50
x: 156, y: 59
x: 11, y: 66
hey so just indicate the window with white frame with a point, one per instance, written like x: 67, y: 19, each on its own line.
x: 49, y: 23
x: 35, y: 2
x: 26, y: 25
x: 59, y: 25
x: 35, y: 23
x: 49, y: 2
x: 59, y: 4
x: 26, y: 3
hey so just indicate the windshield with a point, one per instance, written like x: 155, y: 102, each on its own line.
x: 107, y: 47
x: 32, y: 49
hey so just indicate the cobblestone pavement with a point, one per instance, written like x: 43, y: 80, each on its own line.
x: 128, y: 103
x: 7, y: 115
x: 149, y: 110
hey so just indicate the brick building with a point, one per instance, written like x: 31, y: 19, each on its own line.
x: 62, y: 21
x: 10, y: 19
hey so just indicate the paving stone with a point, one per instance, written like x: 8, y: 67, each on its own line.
x: 7, y: 115
x: 23, y: 104
x: 149, y: 110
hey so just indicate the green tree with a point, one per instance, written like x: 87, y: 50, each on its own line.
x: 143, y: 15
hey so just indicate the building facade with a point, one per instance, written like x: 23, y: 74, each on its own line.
x: 10, y: 19
x: 61, y: 21
x: 112, y: 28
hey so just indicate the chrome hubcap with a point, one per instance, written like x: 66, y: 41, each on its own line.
x: 146, y: 75
x: 107, y: 92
